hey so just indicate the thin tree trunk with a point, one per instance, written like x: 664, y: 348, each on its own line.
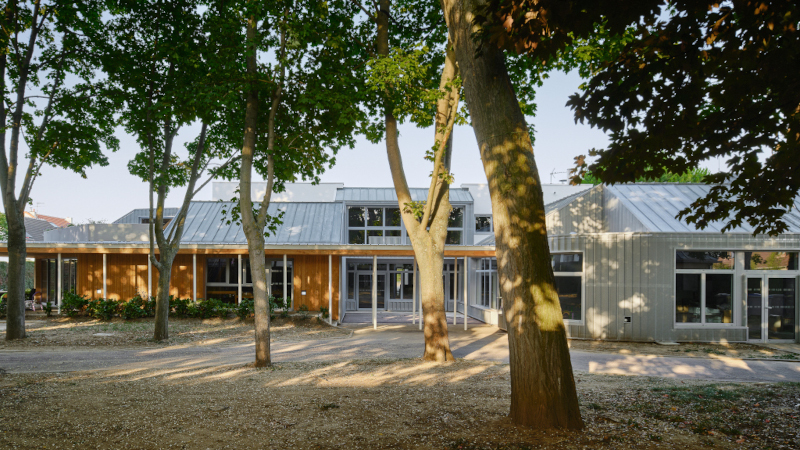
x: 428, y: 244
x: 164, y: 268
x: 543, y: 391
x: 15, y: 314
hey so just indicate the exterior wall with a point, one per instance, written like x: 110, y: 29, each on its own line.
x: 583, y: 215
x: 633, y: 275
x: 311, y: 275
x: 127, y: 276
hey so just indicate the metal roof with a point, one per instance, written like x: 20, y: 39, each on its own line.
x: 303, y: 223
x: 136, y: 215
x: 35, y: 228
x: 656, y: 205
x: 387, y: 195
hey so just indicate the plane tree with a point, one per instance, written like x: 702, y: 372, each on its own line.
x: 298, y: 103
x: 51, y: 112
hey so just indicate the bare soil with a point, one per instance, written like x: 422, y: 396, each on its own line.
x: 85, y: 332
x: 378, y: 404
x: 699, y: 350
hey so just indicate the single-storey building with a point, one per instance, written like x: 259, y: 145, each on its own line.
x: 626, y: 268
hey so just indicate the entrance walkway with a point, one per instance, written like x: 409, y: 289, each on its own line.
x: 791, y: 347
x: 398, y: 317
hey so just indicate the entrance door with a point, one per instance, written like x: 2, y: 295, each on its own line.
x: 771, y: 304
x: 365, y: 291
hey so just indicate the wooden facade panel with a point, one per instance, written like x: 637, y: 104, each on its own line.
x: 311, y: 276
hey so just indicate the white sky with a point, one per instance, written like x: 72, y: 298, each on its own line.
x: 110, y: 192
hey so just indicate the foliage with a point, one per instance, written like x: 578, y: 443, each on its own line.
x: 101, y: 308
x: 303, y: 309
x: 30, y: 267
x: 246, y: 308
x: 324, y: 312
x: 3, y: 227
x: 3, y: 306
x: 73, y: 304
x: 137, y: 307
x: 48, y: 309
x: 181, y: 307
x: 212, y: 308
x: 692, y: 176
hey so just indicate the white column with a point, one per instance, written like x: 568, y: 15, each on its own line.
x: 455, y: 291
x: 466, y: 277
x: 286, y: 297
x: 149, y: 277
x: 60, y: 287
x: 105, y: 272
x: 418, y: 296
x: 194, y: 277
x: 330, y: 289
x: 239, y: 297
x: 414, y: 294
x: 375, y: 292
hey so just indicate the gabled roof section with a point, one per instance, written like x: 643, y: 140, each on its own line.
x: 656, y: 206
x: 35, y: 228
x: 136, y: 215
x: 388, y: 195
x: 303, y: 223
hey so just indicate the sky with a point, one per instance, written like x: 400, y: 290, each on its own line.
x: 110, y: 192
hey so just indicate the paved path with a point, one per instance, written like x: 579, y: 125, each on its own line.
x: 391, y: 341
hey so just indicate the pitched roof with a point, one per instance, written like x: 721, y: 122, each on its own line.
x: 137, y: 214
x: 35, y: 228
x: 381, y: 195
x: 656, y: 206
x: 303, y: 223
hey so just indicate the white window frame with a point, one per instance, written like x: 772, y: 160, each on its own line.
x: 735, y: 305
x: 383, y: 228
x: 582, y: 274
x: 462, y: 228
x: 491, y: 223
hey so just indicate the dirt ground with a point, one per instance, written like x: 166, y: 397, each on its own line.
x: 701, y: 350
x: 378, y: 404
x: 85, y: 332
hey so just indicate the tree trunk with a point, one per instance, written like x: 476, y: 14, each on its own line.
x: 164, y: 268
x: 437, y: 343
x: 15, y: 314
x: 543, y: 391
x: 258, y: 271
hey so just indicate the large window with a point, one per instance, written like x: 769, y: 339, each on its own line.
x: 455, y: 227
x: 222, y: 278
x: 374, y: 225
x: 568, y: 271
x: 770, y: 260
x: 704, y: 287
x: 49, y: 284
x: 487, y: 283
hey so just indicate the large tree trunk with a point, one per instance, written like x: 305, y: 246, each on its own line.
x: 258, y: 271
x: 428, y: 244
x: 164, y: 268
x: 15, y: 318
x: 543, y: 391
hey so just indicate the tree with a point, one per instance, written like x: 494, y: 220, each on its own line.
x: 158, y: 68
x: 543, y: 391
x: 707, y: 80
x: 51, y: 100
x: 692, y: 176
x: 403, y: 78
x: 312, y: 90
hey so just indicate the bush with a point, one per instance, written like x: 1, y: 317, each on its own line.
x: 133, y: 308
x: 303, y: 312
x: 48, y: 309
x: 3, y: 306
x: 102, y: 309
x: 73, y: 304
x: 324, y: 312
x: 212, y: 308
x: 246, y: 308
x: 179, y: 306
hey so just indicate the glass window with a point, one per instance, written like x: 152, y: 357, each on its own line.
x: 351, y: 285
x: 233, y: 271
x: 483, y: 224
x: 711, y: 260
x: 569, y: 295
x: 719, y: 293
x: 688, y: 297
x: 374, y: 233
x: 453, y: 238
x: 375, y: 217
x: 355, y: 216
x: 567, y: 262
x: 395, y: 233
x: 393, y: 217
x: 456, y: 218
x: 770, y: 260
x: 215, y: 270
x: 356, y: 237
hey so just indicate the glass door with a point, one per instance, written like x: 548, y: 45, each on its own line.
x: 780, y: 308
x: 755, y: 307
x: 365, y: 291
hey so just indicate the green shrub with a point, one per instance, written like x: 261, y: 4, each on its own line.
x: 246, y: 308
x: 212, y: 308
x: 102, y: 308
x: 324, y: 312
x: 48, y: 309
x: 303, y: 312
x: 73, y: 304
x: 179, y: 306
x: 133, y: 308
x: 3, y: 306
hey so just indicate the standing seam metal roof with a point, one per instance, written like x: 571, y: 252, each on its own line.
x: 136, y: 214
x: 381, y: 195
x: 303, y: 223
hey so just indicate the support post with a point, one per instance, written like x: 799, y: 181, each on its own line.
x: 287, y: 303
x: 330, y: 289
x: 418, y: 297
x: 375, y: 292
x: 60, y: 287
x: 466, y: 277
x: 105, y: 273
x: 194, y: 277
x: 149, y: 277
x: 414, y: 294
x: 239, y: 291
x: 455, y: 291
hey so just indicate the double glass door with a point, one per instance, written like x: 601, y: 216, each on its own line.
x: 771, y: 308
x: 365, y: 291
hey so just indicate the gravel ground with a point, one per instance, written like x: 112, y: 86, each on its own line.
x: 378, y: 404
x: 701, y: 350
x: 84, y: 332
